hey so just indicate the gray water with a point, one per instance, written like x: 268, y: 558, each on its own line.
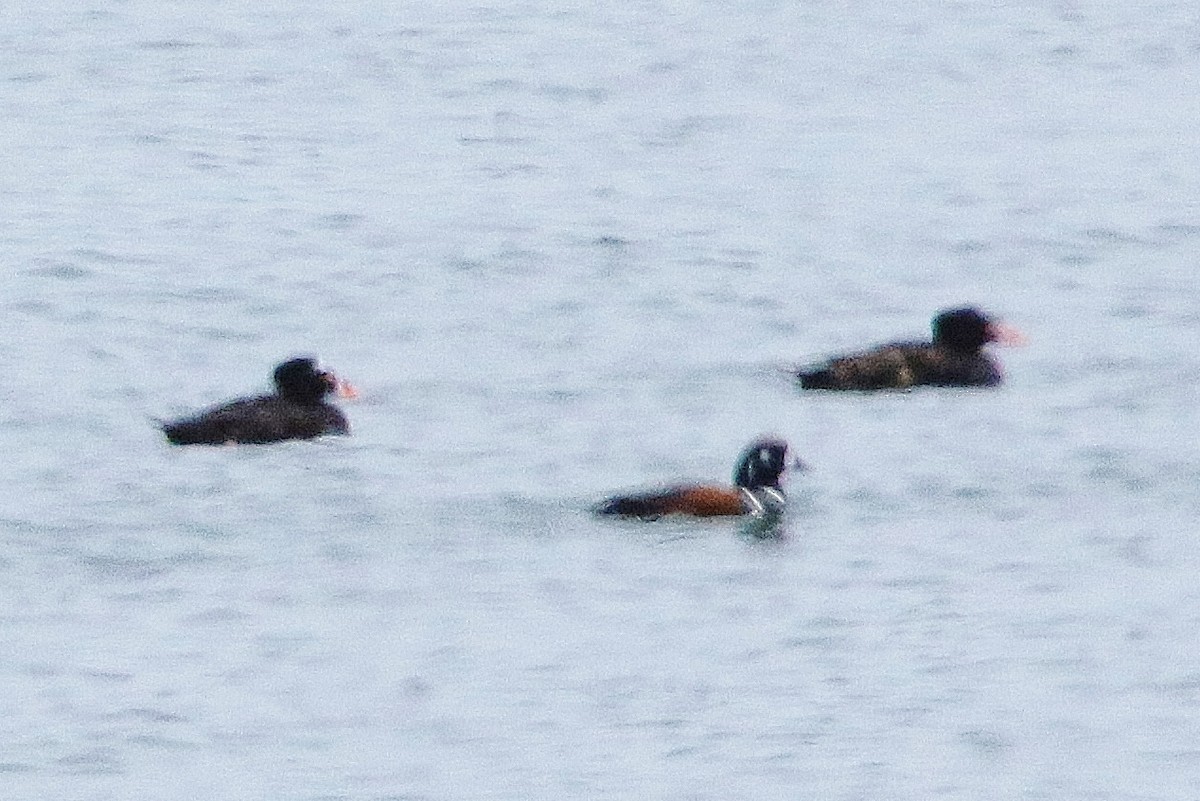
x: 564, y: 249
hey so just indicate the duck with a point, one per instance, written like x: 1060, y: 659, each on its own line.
x: 756, y: 490
x: 954, y: 358
x: 298, y: 409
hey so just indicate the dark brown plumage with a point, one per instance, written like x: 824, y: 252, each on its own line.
x: 954, y: 358
x: 296, y: 410
x: 756, y: 490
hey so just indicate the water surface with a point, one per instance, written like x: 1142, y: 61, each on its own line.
x: 565, y: 250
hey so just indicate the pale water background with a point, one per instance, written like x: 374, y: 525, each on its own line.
x: 563, y: 248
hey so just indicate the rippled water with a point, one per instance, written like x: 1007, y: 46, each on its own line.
x: 564, y: 250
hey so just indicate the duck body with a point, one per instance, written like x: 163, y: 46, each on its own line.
x: 692, y: 500
x: 902, y: 365
x: 756, y: 491
x: 954, y: 358
x: 257, y: 421
x: 297, y: 410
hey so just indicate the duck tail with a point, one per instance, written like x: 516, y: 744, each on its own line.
x: 816, y: 379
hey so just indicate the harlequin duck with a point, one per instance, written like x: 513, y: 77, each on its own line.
x: 953, y: 359
x: 297, y: 410
x: 756, y: 490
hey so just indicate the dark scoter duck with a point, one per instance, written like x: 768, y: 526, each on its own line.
x: 953, y: 359
x: 756, y: 490
x: 297, y: 410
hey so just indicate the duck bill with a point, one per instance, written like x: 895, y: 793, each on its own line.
x: 1006, y: 335
x: 340, y: 387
